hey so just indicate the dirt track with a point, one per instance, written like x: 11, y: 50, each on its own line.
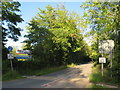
x: 78, y: 77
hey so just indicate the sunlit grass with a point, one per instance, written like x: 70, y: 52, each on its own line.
x: 11, y: 75
x: 96, y: 76
x: 54, y: 69
x: 49, y: 70
x: 71, y: 65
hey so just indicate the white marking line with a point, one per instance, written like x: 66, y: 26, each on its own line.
x: 51, y: 83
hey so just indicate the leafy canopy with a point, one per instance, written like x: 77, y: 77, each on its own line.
x: 55, y: 33
x: 10, y: 19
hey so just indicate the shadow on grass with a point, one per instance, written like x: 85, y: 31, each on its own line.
x: 96, y: 77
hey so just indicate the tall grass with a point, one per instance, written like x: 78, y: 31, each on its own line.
x: 71, y: 65
x: 25, y: 68
x: 96, y: 76
x: 11, y: 75
x: 49, y: 70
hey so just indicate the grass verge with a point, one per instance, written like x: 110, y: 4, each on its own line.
x: 18, y: 75
x: 96, y: 77
x: 49, y: 70
x: 11, y: 75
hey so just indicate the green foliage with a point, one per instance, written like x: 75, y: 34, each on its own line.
x: 49, y: 70
x: 11, y: 75
x: 5, y: 66
x: 15, y: 48
x: 10, y: 20
x: 103, y: 18
x: 96, y: 76
x: 71, y: 65
x: 4, y: 53
x: 54, y: 37
x: 28, y: 68
x: 24, y: 46
x: 116, y: 72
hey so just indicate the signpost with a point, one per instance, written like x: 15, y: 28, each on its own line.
x: 105, y: 46
x: 102, y: 60
x: 23, y: 55
x: 24, y: 51
x: 10, y: 48
x: 10, y: 56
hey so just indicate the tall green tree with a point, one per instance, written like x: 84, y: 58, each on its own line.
x: 55, y: 36
x: 10, y: 20
x: 104, y: 18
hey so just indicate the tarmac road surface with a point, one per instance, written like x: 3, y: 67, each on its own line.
x: 75, y: 77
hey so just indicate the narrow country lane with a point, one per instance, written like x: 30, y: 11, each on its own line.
x: 75, y: 77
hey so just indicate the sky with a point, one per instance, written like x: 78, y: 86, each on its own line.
x: 30, y: 9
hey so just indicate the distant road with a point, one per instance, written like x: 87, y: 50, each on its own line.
x: 75, y: 77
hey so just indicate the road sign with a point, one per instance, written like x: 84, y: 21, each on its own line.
x: 102, y: 60
x: 106, y: 46
x: 23, y: 57
x: 10, y: 56
x: 24, y: 51
x: 23, y: 54
x: 10, y: 48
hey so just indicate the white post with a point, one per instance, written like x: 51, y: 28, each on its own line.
x: 11, y: 64
x: 111, y: 58
x: 102, y: 66
x: 111, y: 62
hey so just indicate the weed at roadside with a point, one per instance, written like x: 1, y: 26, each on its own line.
x: 11, y: 75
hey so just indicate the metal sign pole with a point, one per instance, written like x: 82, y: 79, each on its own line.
x: 111, y: 62
x: 11, y: 64
x: 106, y: 46
x: 102, y: 65
x: 10, y: 56
x: 102, y: 69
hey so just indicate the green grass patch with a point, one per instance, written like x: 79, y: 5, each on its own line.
x: 96, y: 77
x: 53, y: 69
x: 71, y: 65
x: 46, y: 70
x: 50, y: 70
x: 18, y: 74
x: 11, y: 75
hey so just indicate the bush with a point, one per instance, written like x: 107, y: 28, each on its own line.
x: 5, y: 66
